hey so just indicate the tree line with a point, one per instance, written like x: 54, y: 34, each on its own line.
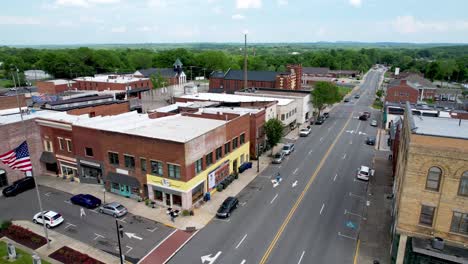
x: 442, y: 63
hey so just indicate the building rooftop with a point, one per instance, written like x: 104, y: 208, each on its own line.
x: 175, y: 128
x: 9, y: 116
x: 165, y: 72
x: 60, y: 81
x: 274, y: 92
x: 111, y: 79
x: 235, y: 98
x: 266, y: 76
x: 231, y: 110
x: 442, y: 127
x: 315, y: 70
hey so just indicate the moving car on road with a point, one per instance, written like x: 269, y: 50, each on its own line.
x: 346, y: 100
x: 364, y: 173
x: 86, y: 200
x: 373, y: 123
x: 370, y: 141
x: 52, y: 219
x: 19, y: 186
x: 278, y: 158
x: 288, y: 148
x: 363, y: 117
x: 357, y: 96
x: 304, y: 132
x: 227, y: 207
x: 115, y: 209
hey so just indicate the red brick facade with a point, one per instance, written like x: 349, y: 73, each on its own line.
x: 49, y: 87
x: 102, y: 86
x: 402, y: 93
x: 8, y: 102
x: 102, y: 110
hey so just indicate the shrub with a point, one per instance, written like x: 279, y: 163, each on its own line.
x: 5, y: 224
x: 185, y: 213
x: 236, y: 176
x: 220, y: 187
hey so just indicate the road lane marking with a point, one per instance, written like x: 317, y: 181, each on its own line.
x: 274, y: 199
x: 301, y: 197
x: 356, y: 254
x: 68, y: 202
x: 295, y: 171
x: 353, y: 238
x: 129, y: 249
x: 334, y: 178
x: 300, y: 259
x: 152, y: 230
x: 344, y: 156
x: 294, y: 184
x: 264, y: 176
x: 47, y: 194
x: 242, y: 240
x: 243, y: 261
x: 321, y: 139
x: 98, y: 236
x: 321, y: 209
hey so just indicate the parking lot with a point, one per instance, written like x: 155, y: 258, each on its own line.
x: 93, y: 228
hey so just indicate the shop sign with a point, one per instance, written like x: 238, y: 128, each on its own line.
x: 219, y: 174
x: 166, y: 182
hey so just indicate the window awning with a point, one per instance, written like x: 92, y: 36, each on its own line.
x: 123, y: 179
x: 48, y: 157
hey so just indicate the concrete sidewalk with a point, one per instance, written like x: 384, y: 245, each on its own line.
x: 375, y: 236
x: 58, y: 240
x: 201, y: 217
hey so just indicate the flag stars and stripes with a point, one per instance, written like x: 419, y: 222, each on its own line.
x: 18, y: 158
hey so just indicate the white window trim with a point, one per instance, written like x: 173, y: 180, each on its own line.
x: 51, y: 145
x: 60, y: 145
x: 69, y: 144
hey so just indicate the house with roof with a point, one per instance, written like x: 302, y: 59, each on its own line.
x: 233, y: 80
x: 412, y: 88
x: 173, y: 76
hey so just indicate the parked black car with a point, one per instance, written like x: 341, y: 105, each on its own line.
x: 320, y: 121
x: 363, y: 117
x: 370, y: 141
x: 19, y: 186
x: 227, y: 207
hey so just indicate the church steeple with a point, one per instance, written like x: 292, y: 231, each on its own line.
x: 178, y: 66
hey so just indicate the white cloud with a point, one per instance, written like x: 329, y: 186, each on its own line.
x: 157, y: 3
x: 238, y: 17
x: 217, y: 10
x: 408, y: 25
x: 19, y: 20
x: 282, y: 2
x: 248, y: 3
x: 147, y: 29
x: 122, y: 29
x: 355, y: 3
x: 84, y: 3
x: 90, y: 19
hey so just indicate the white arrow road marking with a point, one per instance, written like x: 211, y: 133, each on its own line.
x: 209, y: 258
x: 274, y: 199
x: 300, y: 259
x: 295, y: 171
x: 132, y: 235
x: 344, y: 156
x: 242, y: 240
x: 294, y: 184
x: 334, y: 178
x: 321, y: 209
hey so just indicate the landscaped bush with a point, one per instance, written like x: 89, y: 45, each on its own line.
x: 68, y: 255
x: 5, y: 224
x: 24, y: 236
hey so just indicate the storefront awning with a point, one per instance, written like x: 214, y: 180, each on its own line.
x: 48, y: 157
x: 123, y: 179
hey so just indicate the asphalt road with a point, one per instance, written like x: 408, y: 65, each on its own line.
x: 94, y: 228
x: 314, y: 215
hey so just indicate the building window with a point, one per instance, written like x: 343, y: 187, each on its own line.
x: 209, y: 159
x: 69, y: 145
x: 219, y: 153
x: 48, y: 146
x: 129, y: 161
x: 227, y: 148
x: 143, y: 164
x: 177, y: 200
x: 113, y: 158
x: 61, y: 144
x: 156, y: 167
x: 88, y: 152
x: 174, y: 171
x: 282, y: 117
x: 433, y: 179
x: 242, y: 139
x: 463, y: 189
x: 234, y: 143
x: 197, y: 193
x: 198, y: 166
x: 427, y: 215
x: 459, y: 223
x: 158, y: 195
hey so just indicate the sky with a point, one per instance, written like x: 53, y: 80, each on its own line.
x: 31, y: 22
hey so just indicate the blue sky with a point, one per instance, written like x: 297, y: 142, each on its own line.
x: 142, y: 21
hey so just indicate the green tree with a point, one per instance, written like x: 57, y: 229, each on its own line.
x: 323, y: 94
x: 379, y: 94
x: 157, y: 80
x: 433, y: 70
x: 274, y: 132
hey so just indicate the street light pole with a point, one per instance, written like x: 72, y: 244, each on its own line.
x: 258, y: 155
x: 119, y: 233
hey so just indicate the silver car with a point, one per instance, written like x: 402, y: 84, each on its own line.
x: 278, y: 158
x: 114, y: 209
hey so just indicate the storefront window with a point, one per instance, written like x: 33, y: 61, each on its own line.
x: 88, y: 172
x: 158, y: 195
x: 197, y: 193
x: 135, y: 190
x: 176, y: 200
x: 115, y: 186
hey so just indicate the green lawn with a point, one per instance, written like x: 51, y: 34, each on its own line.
x: 343, y: 91
x: 22, y: 257
x: 377, y: 104
x: 6, y: 83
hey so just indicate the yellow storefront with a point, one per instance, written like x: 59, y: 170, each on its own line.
x: 180, y: 194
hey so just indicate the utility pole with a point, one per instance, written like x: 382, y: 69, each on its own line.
x: 245, y: 61
x: 119, y: 234
x: 258, y: 155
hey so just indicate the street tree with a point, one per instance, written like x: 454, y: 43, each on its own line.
x: 157, y: 80
x: 274, y: 132
x: 324, y: 94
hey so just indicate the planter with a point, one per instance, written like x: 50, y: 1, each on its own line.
x: 68, y: 255
x: 24, y: 236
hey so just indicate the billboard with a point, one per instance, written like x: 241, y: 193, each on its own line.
x: 397, y: 71
x: 218, y: 174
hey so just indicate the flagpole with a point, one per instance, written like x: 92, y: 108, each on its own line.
x: 31, y: 172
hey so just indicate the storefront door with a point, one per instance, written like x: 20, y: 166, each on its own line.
x: 168, y: 199
x: 124, y: 190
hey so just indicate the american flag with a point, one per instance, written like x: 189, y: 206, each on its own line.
x: 18, y: 158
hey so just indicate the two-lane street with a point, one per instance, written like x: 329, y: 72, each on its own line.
x: 314, y: 214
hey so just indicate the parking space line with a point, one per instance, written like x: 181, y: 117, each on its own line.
x: 122, y: 220
x: 222, y: 220
x: 129, y: 249
x: 334, y: 178
x: 95, y: 211
x: 295, y: 171
x: 242, y: 240
x: 98, y: 236
x: 321, y: 209
x: 69, y: 224
x: 152, y: 230
x: 47, y: 194
x: 300, y: 259
x: 243, y: 203
x: 274, y: 199
x: 67, y: 201
x: 353, y: 238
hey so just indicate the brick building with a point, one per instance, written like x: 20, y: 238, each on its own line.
x: 114, y: 108
x: 172, y: 76
x: 114, y: 83
x: 11, y: 102
x: 187, y: 156
x: 52, y: 87
x: 412, y: 88
x: 431, y: 191
x: 233, y: 80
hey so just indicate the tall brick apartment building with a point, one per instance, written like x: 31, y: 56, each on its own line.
x: 233, y: 80
x: 431, y: 190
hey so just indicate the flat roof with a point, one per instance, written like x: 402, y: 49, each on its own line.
x: 175, y: 128
x: 232, y: 110
x: 170, y: 108
x: 9, y: 116
x: 439, y: 126
x: 235, y: 98
x: 60, y: 81
x: 285, y: 94
x: 110, y: 79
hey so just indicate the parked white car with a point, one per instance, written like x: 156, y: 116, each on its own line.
x: 304, y: 132
x: 364, y: 173
x: 52, y: 219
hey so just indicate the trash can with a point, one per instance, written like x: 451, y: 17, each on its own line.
x: 207, y: 196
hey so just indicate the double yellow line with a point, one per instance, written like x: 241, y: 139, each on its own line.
x: 299, y: 200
